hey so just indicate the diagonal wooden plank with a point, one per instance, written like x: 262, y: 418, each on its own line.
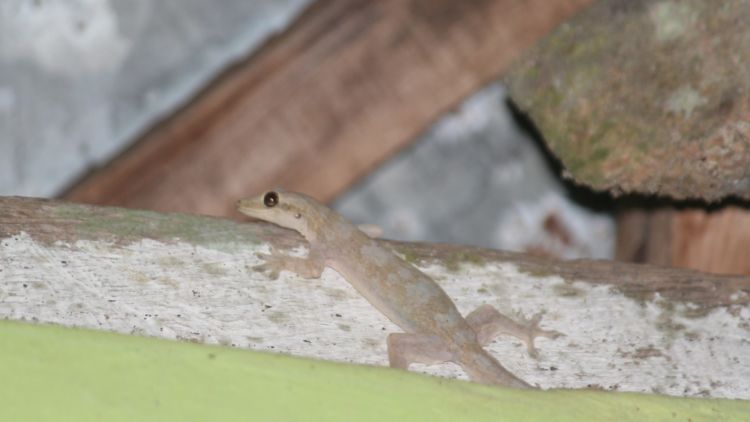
x: 346, y: 86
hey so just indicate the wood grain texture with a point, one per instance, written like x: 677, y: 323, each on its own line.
x: 346, y: 86
x: 627, y: 327
x: 715, y: 241
x: 644, y: 236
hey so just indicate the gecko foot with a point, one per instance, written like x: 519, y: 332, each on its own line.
x: 533, y: 331
x: 275, y: 262
x: 488, y: 323
x: 272, y: 265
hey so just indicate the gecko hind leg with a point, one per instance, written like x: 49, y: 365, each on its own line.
x: 405, y: 349
x: 488, y: 323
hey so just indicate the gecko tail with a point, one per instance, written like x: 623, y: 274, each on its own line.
x: 485, y: 369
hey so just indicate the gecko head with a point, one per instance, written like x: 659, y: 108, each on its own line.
x: 286, y: 209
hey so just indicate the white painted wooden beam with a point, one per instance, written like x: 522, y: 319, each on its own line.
x: 627, y: 327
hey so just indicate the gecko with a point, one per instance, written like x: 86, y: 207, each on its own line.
x: 434, y: 329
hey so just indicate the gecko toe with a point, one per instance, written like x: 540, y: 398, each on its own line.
x: 264, y: 269
x: 533, y: 352
x: 263, y: 256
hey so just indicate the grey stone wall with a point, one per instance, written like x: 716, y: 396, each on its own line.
x: 80, y: 79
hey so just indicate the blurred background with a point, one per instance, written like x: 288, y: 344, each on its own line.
x: 411, y: 115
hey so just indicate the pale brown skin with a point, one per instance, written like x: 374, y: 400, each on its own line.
x: 435, y: 331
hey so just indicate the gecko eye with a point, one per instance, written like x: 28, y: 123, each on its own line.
x: 271, y: 199
x: 298, y: 216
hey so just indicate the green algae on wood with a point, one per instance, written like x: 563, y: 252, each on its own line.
x: 68, y: 222
x: 124, y: 223
x: 453, y: 261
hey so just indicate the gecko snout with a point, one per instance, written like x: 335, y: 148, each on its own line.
x: 244, y: 205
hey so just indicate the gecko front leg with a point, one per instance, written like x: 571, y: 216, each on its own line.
x: 275, y: 262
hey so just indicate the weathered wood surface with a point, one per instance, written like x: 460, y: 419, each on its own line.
x: 346, y: 86
x: 627, y: 327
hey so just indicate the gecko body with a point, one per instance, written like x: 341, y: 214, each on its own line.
x: 434, y: 329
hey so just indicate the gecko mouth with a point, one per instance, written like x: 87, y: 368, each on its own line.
x: 242, y: 204
x: 247, y: 207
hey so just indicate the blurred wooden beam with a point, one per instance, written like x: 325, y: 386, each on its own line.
x: 715, y: 241
x: 347, y: 85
